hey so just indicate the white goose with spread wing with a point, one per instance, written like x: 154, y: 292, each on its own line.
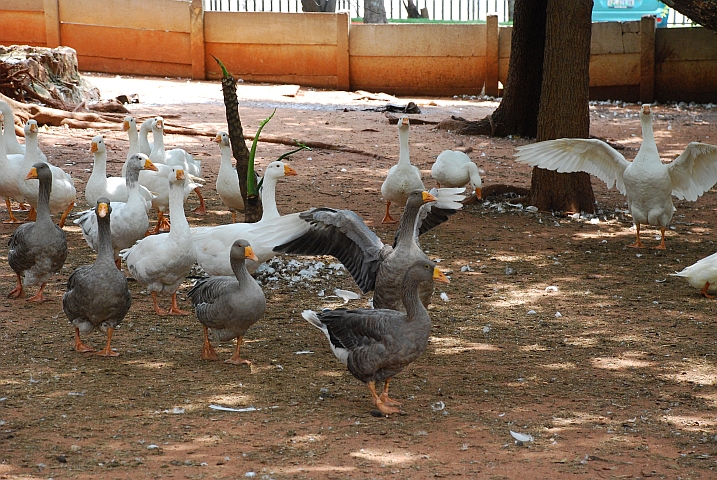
x: 648, y: 183
x: 402, y: 178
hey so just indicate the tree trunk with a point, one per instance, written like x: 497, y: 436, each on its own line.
x: 518, y: 110
x: 252, y: 205
x: 411, y: 9
x: 374, y: 12
x: 564, y: 108
x: 703, y: 12
x: 318, y: 5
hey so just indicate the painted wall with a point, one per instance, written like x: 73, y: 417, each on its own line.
x: 629, y: 61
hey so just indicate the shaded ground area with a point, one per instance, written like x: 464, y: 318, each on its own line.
x: 552, y: 327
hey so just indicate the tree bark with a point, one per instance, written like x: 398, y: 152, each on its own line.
x: 374, y: 12
x: 703, y: 12
x: 564, y: 110
x: 318, y: 5
x: 518, y: 110
x: 252, y: 205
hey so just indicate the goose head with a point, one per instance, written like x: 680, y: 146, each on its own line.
x: 419, y: 197
x: 103, y: 208
x: 242, y: 250
x: 31, y: 128
x: 40, y: 170
x: 278, y: 169
x: 158, y: 124
x: 129, y: 123
x: 98, y: 145
x: 222, y: 139
x: 140, y: 161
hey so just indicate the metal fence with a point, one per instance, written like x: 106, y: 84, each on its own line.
x: 452, y: 10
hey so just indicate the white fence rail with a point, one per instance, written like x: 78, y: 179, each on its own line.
x: 452, y: 10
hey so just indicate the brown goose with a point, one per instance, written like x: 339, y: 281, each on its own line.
x: 375, y: 345
x: 229, y: 305
x: 37, y: 249
x: 373, y: 265
x: 97, y: 295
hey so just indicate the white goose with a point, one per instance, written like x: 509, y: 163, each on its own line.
x: 701, y: 274
x: 176, y: 157
x: 161, y: 262
x: 12, y: 146
x: 129, y: 218
x: 647, y: 182
x: 227, y: 181
x: 144, y: 130
x: 9, y: 171
x: 402, y: 178
x: 99, y: 185
x: 212, y: 244
x: 63, y: 194
x: 454, y: 169
x: 129, y: 125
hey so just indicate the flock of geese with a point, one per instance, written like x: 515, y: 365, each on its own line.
x: 375, y: 343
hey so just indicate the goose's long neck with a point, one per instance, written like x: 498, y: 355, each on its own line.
x: 240, y: 272
x: 268, y: 199
x: 105, y: 252
x: 133, y: 141
x: 404, y: 157
x: 406, y: 228
x: 144, y: 146
x: 8, y: 134
x: 226, y: 158
x: 100, y: 166
x: 32, y: 152
x: 158, y: 145
x: 3, y: 154
x: 43, y: 200
x: 648, y: 138
x: 176, y: 209
x: 411, y: 300
x: 132, y: 180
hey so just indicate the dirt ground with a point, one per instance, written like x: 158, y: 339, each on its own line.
x: 551, y: 328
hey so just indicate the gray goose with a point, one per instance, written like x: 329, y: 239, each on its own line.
x: 97, y: 295
x: 373, y: 265
x: 377, y: 344
x: 37, y: 249
x: 229, y: 305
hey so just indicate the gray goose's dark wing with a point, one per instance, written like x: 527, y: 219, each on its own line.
x: 19, y: 255
x: 344, y: 235
x: 206, y: 292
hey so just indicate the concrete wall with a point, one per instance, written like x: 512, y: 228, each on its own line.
x: 630, y: 61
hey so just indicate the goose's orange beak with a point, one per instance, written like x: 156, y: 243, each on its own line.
x: 125, y: 126
x: 479, y: 193
x: 427, y: 197
x: 180, y: 174
x: 289, y: 172
x: 217, y: 139
x: 148, y: 165
x: 93, y: 147
x: 439, y: 276
x: 102, y: 209
x: 31, y: 174
x: 249, y: 253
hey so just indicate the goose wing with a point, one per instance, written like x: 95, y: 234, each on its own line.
x: 344, y: 235
x: 694, y: 171
x: 566, y: 155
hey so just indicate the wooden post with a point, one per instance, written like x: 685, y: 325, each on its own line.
x: 52, y: 23
x: 196, y: 20
x: 343, y: 24
x: 491, y: 56
x: 647, y: 59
